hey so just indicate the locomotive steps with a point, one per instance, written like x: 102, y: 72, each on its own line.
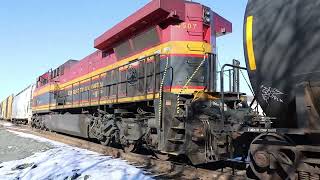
x: 157, y: 168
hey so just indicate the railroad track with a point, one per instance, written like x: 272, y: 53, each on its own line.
x: 155, y: 168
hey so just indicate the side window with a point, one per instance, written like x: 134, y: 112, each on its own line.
x: 142, y: 41
x: 38, y: 83
x: 61, y: 70
x: 42, y: 81
x: 146, y: 39
x: 107, y: 53
x: 123, y: 50
x: 45, y: 81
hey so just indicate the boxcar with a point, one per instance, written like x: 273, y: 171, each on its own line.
x: 21, y: 105
x: 3, y: 108
x: 0, y: 110
x: 6, y: 111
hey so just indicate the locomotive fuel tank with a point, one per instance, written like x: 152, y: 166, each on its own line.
x: 282, y: 50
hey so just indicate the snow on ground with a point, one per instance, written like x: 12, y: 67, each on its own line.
x: 38, y: 138
x: 66, y: 162
x: 7, y: 124
x: 13, y: 147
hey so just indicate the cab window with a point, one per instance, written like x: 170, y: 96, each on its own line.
x: 146, y: 39
x: 123, y: 50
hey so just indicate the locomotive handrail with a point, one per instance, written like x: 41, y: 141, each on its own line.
x: 136, y: 60
x: 118, y: 81
x: 222, y: 85
x: 211, y: 72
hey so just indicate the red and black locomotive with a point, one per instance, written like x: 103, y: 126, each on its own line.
x: 152, y: 82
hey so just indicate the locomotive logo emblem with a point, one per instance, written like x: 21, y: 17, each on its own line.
x: 271, y: 93
x: 132, y: 75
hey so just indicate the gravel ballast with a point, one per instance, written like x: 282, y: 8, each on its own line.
x: 13, y: 147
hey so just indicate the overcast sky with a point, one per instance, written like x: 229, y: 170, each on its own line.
x: 37, y: 35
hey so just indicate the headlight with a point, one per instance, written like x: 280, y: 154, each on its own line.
x: 207, y: 20
x: 206, y: 16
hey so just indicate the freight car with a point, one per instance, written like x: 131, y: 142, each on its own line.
x: 1, y: 111
x: 3, y: 108
x: 6, y: 111
x: 282, y: 48
x: 151, y: 83
x: 22, y: 105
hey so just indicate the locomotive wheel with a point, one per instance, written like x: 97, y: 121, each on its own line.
x: 162, y: 156
x: 105, y: 141
x: 132, y: 147
x: 267, y: 161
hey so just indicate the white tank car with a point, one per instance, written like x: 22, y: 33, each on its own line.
x: 21, y: 106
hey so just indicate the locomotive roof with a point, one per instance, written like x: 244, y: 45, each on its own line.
x: 155, y: 11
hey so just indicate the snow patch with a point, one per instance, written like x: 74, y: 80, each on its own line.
x: 67, y: 162
x: 7, y: 124
x: 37, y: 138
